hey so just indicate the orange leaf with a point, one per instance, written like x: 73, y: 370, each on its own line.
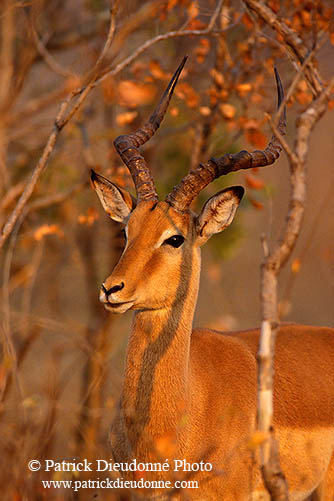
x: 126, y: 118
x: 247, y: 21
x: 257, y: 439
x: 304, y: 98
x: 193, y: 10
x: 306, y: 17
x: 174, y: 111
x: 295, y: 266
x: 254, y: 182
x: 255, y: 203
x: 89, y: 218
x: 202, y: 49
x: 256, y: 98
x: 132, y: 94
x: 256, y: 138
x: 218, y: 77
x: 171, y: 4
x: 108, y: 89
x: 157, y: 71
x: 227, y: 110
x: 186, y: 92
x: 205, y: 111
x: 302, y: 86
x: 72, y: 83
x: 243, y: 88
x: 47, y: 229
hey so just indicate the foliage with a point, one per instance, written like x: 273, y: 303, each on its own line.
x: 57, y: 351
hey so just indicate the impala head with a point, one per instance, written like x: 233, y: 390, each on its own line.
x: 163, y: 237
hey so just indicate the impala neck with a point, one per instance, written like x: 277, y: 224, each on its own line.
x: 154, y: 398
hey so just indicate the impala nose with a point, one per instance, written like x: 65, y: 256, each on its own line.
x: 105, y: 293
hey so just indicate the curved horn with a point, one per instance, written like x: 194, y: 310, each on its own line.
x: 127, y: 145
x: 184, y: 193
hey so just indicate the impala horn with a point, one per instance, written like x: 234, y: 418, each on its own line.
x: 197, y: 179
x: 127, y: 145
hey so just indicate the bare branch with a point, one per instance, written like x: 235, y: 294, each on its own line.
x: 48, y: 58
x: 290, y: 39
x: 62, y: 119
x: 8, y: 228
x: 271, y: 267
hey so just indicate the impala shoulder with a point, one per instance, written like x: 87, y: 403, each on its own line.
x: 227, y: 347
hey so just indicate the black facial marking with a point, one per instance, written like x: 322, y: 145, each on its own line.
x: 153, y: 206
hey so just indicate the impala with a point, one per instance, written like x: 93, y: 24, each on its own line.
x: 190, y: 395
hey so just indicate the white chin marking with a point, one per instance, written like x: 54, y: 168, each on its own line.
x: 118, y: 308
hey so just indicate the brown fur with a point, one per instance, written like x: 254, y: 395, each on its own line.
x: 191, y: 394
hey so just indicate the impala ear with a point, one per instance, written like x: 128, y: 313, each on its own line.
x: 117, y: 203
x: 218, y: 212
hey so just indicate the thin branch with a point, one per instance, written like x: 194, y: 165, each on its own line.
x: 62, y: 119
x: 286, y: 147
x: 48, y: 58
x: 56, y: 199
x: 8, y: 228
x: 273, y: 477
x: 305, y: 124
x: 159, y: 38
x: 10, y: 196
x: 59, y: 124
x: 273, y: 262
x: 290, y: 39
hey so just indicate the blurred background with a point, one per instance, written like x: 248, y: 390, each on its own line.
x: 61, y: 353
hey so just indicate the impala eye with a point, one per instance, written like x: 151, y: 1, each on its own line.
x: 175, y: 241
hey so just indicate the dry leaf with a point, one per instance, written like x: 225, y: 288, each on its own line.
x: 254, y: 182
x: 247, y: 21
x: 174, y: 111
x: 302, y: 86
x: 186, y: 92
x: 295, y: 266
x: 306, y: 17
x: 256, y: 138
x: 126, y: 118
x: 256, y: 98
x: 171, y: 4
x: 243, y: 88
x: 227, y: 110
x: 132, y: 94
x: 47, y: 229
x: 304, y: 98
x: 202, y: 49
x: 193, y: 10
x: 218, y: 77
x: 108, y: 89
x: 156, y: 70
x: 73, y: 82
x: 255, y: 203
x: 258, y: 438
x: 205, y: 111
x: 89, y: 218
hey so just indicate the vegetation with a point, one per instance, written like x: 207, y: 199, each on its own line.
x: 76, y: 74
